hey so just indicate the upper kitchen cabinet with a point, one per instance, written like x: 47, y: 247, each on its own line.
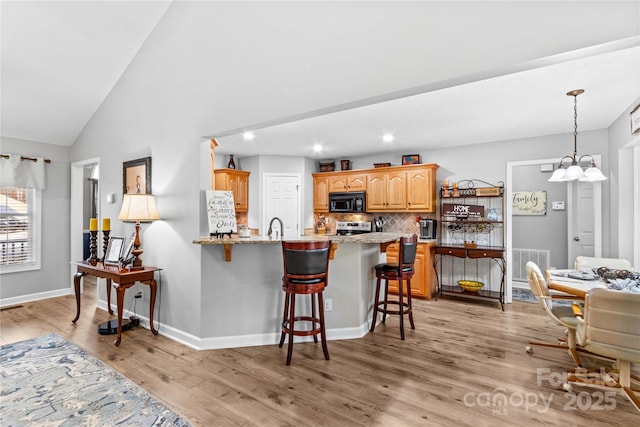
x: 387, y: 191
x: 236, y: 181
x: 347, y: 182
x: 320, y: 192
x: 390, y: 189
x: 421, y: 194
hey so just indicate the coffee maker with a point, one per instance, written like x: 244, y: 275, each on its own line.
x: 428, y: 228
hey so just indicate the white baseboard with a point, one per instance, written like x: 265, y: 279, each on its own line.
x: 6, y: 302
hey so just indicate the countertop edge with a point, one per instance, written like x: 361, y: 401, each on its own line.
x: 368, y: 238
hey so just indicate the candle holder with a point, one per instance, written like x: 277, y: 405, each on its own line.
x: 105, y: 243
x: 93, y: 247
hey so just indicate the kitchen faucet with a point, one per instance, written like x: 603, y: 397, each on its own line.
x: 271, y: 230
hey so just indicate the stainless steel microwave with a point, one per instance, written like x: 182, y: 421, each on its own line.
x: 352, y: 202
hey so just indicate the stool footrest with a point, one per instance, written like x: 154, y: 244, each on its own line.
x: 406, y: 308
x: 316, y: 326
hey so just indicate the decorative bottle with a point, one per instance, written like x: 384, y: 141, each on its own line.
x: 232, y: 163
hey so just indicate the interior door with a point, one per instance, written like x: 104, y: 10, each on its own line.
x: 282, y: 200
x: 585, y: 220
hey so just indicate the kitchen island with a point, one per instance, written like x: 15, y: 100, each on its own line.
x: 242, y: 298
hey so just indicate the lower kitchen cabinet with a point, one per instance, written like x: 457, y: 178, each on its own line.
x: 423, y: 283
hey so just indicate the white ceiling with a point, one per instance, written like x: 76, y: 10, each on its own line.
x: 62, y: 60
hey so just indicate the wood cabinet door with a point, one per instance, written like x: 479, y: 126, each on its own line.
x: 396, y: 191
x: 420, y: 194
x: 357, y: 183
x: 321, y: 194
x: 241, y: 193
x: 419, y: 284
x: 338, y: 183
x: 376, y: 191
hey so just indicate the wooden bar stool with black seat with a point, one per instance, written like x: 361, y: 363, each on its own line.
x: 306, y: 269
x: 402, y: 272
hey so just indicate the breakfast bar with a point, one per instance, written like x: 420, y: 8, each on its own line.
x: 242, y: 298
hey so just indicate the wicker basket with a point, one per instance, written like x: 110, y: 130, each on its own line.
x: 327, y: 166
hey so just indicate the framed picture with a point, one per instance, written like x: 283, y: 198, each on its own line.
x: 635, y: 121
x: 411, y: 159
x: 136, y: 176
x: 114, y: 250
x: 529, y: 203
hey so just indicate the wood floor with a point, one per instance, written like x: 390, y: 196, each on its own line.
x: 462, y: 356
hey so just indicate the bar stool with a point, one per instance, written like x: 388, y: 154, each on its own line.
x: 403, y: 271
x: 306, y: 267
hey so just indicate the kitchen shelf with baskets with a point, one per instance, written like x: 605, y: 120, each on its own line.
x: 469, y: 258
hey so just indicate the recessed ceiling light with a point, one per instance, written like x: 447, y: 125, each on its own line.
x: 387, y: 137
x: 248, y: 136
x: 317, y: 148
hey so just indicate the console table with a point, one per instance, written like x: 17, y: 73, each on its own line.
x: 123, y: 278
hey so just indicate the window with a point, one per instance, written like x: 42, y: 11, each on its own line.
x: 19, y: 229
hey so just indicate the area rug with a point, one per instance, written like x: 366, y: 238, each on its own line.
x: 48, y: 381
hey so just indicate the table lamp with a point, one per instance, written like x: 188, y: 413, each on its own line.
x: 138, y: 208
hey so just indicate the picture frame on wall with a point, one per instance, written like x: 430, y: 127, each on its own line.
x: 410, y: 159
x: 114, y: 250
x: 635, y: 121
x: 136, y: 176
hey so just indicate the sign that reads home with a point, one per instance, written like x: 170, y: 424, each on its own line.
x: 462, y: 211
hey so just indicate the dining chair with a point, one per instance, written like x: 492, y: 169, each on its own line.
x: 306, y: 272
x: 562, y: 315
x: 610, y: 327
x: 587, y: 262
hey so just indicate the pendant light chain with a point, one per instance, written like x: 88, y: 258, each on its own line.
x: 575, y: 127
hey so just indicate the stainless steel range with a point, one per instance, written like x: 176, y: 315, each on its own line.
x: 349, y: 228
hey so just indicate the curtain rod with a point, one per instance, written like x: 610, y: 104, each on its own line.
x: 33, y: 159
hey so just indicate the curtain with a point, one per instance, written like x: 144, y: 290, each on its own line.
x: 15, y: 172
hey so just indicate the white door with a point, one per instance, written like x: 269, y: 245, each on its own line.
x: 282, y: 200
x: 585, y: 220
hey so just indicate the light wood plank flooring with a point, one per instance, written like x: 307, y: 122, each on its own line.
x: 461, y: 355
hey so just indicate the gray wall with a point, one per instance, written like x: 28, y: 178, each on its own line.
x: 53, y: 278
x: 541, y: 232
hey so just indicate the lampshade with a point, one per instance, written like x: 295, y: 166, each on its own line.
x: 138, y: 207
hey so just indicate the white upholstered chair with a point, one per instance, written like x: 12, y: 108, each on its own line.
x: 611, y: 328
x: 561, y: 314
x: 585, y: 262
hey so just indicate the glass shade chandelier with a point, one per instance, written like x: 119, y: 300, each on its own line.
x: 575, y: 171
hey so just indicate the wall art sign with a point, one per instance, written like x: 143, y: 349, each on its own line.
x: 529, y: 203
x: 221, y: 212
x: 462, y: 211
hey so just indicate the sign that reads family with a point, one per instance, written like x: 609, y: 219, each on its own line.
x: 221, y: 212
x: 462, y: 211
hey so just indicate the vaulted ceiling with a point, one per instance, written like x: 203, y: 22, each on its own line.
x: 337, y: 74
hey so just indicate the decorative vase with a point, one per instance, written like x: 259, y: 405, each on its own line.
x: 232, y: 163
x: 492, y: 215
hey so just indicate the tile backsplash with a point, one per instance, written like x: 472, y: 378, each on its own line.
x: 393, y: 222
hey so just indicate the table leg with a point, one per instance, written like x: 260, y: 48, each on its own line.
x: 120, y: 303
x: 76, y: 288
x: 109, y: 297
x: 152, y: 304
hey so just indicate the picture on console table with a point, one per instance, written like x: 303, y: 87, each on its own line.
x: 114, y: 249
x: 136, y: 176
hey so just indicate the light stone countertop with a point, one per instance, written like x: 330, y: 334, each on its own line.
x: 259, y: 240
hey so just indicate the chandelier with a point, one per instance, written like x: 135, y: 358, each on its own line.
x: 575, y: 171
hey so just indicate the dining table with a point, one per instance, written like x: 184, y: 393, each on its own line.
x: 576, y: 282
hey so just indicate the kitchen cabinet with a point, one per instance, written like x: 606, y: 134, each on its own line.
x: 320, y: 193
x: 409, y: 188
x: 423, y: 283
x: 236, y: 181
x: 387, y: 191
x: 471, y: 240
x: 347, y: 182
x: 421, y: 195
